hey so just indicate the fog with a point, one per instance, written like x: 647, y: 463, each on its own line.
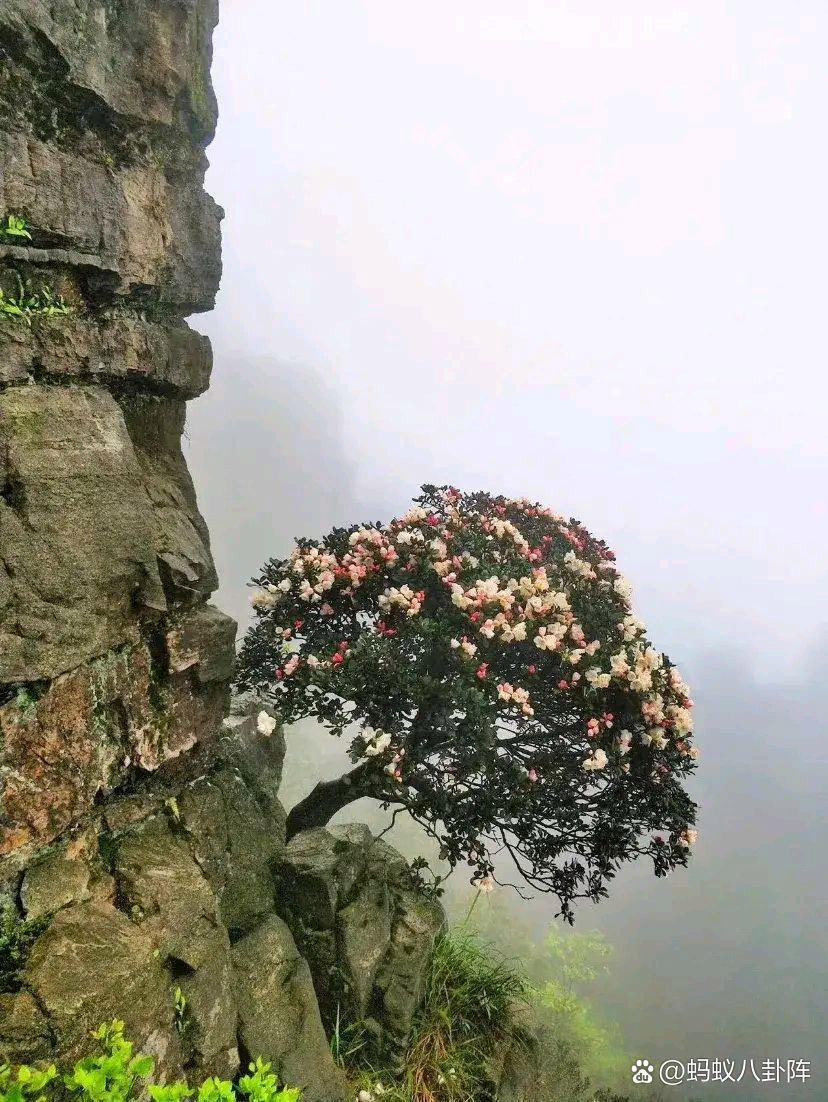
x: 574, y: 252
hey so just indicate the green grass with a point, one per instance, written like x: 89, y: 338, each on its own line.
x: 28, y: 304
x: 471, y: 1008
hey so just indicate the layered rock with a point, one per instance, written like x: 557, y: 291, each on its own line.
x: 111, y: 663
x: 114, y: 669
x: 143, y: 867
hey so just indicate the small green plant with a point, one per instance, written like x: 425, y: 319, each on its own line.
x: 170, y: 1092
x: 16, y: 227
x: 28, y: 304
x: 16, y: 939
x: 117, y: 1074
x: 216, y: 1090
x: 111, y: 1075
x: 261, y: 1085
x: 29, y: 1084
x: 180, y: 1010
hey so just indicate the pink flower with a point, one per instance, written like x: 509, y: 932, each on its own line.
x: 483, y: 671
x: 337, y: 660
x: 563, y: 684
x: 433, y: 521
x: 533, y: 776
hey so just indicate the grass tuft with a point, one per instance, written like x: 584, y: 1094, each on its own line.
x: 470, y: 1010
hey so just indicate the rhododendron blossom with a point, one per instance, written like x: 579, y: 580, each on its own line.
x: 471, y: 646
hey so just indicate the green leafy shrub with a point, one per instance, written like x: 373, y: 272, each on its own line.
x: 117, y: 1074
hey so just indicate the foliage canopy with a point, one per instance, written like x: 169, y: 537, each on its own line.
x: 482, y: 657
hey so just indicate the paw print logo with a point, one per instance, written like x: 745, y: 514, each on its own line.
x: 642, y: 1072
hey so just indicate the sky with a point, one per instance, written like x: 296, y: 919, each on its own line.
x: 574, y: 252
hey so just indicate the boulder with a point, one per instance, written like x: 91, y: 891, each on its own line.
x: 93, y: 964
x: 279, y: 1015
x: 364, y: 927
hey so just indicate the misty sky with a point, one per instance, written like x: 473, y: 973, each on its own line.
x: 572, y: 251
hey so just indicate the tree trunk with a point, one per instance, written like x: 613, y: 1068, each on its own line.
x: 319, y: 806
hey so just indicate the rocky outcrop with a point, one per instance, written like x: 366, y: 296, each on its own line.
x: 111, y: 663
x: 160, y: 910
x: 177, y: 906
x: 143, y: 867
x: 364, y: 926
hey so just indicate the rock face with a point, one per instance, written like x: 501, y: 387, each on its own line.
x: 170, y: 886
x: 363, y: 925
x: 111, y: 663
x: 143, y: 867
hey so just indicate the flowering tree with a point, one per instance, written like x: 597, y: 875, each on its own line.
x: 482, y: 657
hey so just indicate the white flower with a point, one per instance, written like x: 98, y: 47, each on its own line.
x: 623, y: 588
x: 285, y: 585
x: 597, y: 761
x: 365, y: 1096
x: 377, y: 742
x: 263, y: 599
x: 265, y: 724
x: 486, y: 884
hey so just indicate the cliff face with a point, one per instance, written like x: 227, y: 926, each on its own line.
x: 111, y: 663
x: 143, y: 868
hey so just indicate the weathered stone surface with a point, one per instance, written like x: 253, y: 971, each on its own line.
x: 145, y: 59
x: 122, y: 349
x: 279, y: 1015
x: 237, y: 824
x: 105, y: 161
x: 53, y: 881
x: 164, y: 890
x: 81, y: 738
x: 182, y: 543
x: 398, y: 986
x: 138, y: 886
x: 98, y: 519
x: 93, y: 964
x: 133, y: 232
x: 203, y: 640
x: 77, y: 531
x: 24, y: 1030
x: 365, y: 930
